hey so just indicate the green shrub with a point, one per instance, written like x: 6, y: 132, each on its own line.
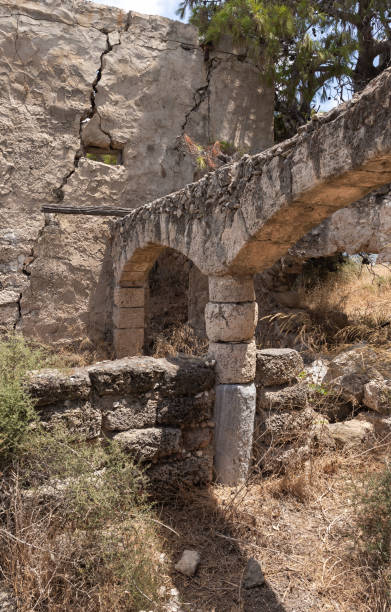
x: 77, y: 532
x: 373, y: 514
x: 17, y: 356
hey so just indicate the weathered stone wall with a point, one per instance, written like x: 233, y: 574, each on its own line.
x: 75, y: 75
x: 363, y: 227
x: 160, y: 411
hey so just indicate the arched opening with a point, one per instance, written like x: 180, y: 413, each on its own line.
x: 159, y: 305
x: 174, y: 314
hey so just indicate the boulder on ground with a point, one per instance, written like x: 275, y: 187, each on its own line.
x: 351, y: 433
x: 253, y: 576
x: 349, y: 371
x: 377, y: 396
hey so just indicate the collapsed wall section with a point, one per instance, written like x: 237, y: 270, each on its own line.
x: 78, y: 80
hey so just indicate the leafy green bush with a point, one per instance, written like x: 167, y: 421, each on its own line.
x: 17, y: 356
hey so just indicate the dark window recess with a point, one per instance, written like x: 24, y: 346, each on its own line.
x: 113, y: 157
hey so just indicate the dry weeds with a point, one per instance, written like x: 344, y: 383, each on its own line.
x: 300, y: 526
x: 351, y: 305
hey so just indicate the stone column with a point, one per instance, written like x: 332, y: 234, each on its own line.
x: 128, y: 320
x: 231, y: 316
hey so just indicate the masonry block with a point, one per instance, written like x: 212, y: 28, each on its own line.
x: 128, y: 342
x: 235, y: 362
x: 128, y: 318
x: 129, y: 297
x: 234, y: 418
x: 231, y: 322
x: 231, y: 289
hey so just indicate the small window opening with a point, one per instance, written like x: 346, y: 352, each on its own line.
x: 113, y: 157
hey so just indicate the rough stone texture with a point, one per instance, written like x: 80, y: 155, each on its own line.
x: 277, y: 366
x: 231, y: 289
x: 133, y: 297
x: 129, y: 412
x: 349, y: 371
x: 174, y: 377
x: 282, y: 426
x: 351, y: 433
x: 288, y: 458
x: 283, y: 398
x: 234, y: 418
x: 192, y: 470
x: 231, y: 322
x: 76, y: 74
x: 159, y: 410
x: 365, y: 226
x: 377, y: 396
x: 242, y: 218
x: 380, y: 423
x: 50, y: 386
x: 194, y: 439
x: 188, y: 563
x: 235, y: 362
x: 82, y: 419
x: 150, y: 444
x: 253, y: 576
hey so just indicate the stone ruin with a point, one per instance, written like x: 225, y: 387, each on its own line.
x: 79, y: 81
x: 89, y: 81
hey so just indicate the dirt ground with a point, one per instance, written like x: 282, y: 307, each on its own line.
x: 301, y: 528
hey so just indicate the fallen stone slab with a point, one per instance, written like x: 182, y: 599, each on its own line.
x: 351, y: 433
x: 377, y: 396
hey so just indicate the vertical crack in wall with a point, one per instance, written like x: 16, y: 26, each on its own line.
x: 201, y: 94
x: 19, y: 313
x: 49, y: 219
x: 59, y: 191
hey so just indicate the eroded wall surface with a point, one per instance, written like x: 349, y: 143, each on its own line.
x: 75, y: 75
x: 363, y: 227
x: 159, y: 410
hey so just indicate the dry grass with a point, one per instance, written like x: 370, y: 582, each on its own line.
x: 179, y: 339
x: 359, y: 293
x: 301, y: 527
x: 76, y: 528
x: 351, y: 305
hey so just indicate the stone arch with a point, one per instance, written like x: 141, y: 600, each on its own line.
x: 131, y: 298
x: 241, y: 219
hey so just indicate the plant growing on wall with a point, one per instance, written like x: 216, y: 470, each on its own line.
x: 311, y: 50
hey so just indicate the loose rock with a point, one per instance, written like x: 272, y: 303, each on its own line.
x: 188, y: 563
x: 253, y: 576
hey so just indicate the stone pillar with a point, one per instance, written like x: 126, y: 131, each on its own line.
x: 128, y: 320
x: 231, y: 316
